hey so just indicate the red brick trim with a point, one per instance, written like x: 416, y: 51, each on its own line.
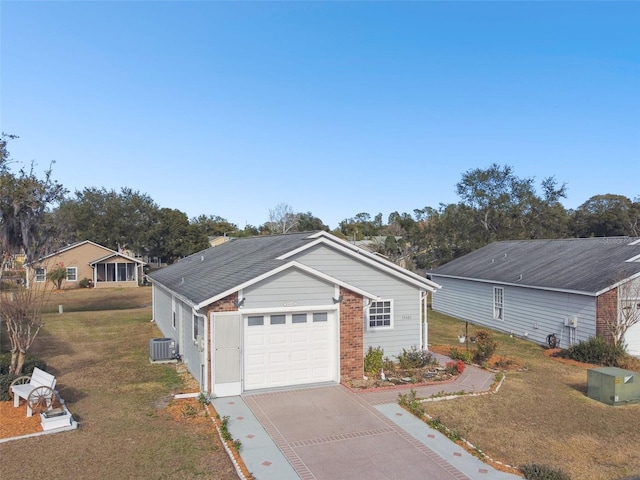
x: 606, y: 311
x: 351, y: 335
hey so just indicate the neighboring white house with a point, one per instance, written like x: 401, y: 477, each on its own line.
x: 535, y: 288
x: 283, y: 310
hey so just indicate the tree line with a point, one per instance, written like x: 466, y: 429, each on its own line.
x: 39, y: 216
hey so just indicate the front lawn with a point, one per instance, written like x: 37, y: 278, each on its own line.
x: 541, y: 415
x: 101, y: 360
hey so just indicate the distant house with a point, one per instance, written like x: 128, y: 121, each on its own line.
x: 214, y: 241
x: 87, y: 260
x: 535, y: 288
x: 291, y: 309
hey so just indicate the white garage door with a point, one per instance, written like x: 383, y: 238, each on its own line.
x: 632, y: 339
x: 289, y: 349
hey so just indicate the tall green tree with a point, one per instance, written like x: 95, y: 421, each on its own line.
x: 110, y: 218
x: 307, y: 222
x: 173, y: 237
x: 509, y: 207
x: 607, y: 216
x: 25, y: 200
x: 214, y: 225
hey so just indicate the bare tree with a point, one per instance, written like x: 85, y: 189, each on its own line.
x: 21, y: 310
x: 282, y: 218
x: 628, y: 312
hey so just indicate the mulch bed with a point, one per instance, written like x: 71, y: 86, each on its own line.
x: 14, y: 421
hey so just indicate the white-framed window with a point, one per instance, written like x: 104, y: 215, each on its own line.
x: 41, y: 275
x: 498, y: 303
x: 72, y: 274
x: 380, y: 315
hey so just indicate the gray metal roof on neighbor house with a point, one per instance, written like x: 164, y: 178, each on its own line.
x: 587, y: 265
x: 202, y: 276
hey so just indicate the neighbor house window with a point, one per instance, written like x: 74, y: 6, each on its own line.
x: 498, y: 303
x: 41, y: 275
x: 72, y: 274
x: 380, y: 315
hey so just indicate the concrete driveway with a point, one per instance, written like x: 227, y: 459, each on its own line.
x: 330, y: 432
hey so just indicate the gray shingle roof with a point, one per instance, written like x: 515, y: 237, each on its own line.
x: 589, y: 265
x: 211, y: 272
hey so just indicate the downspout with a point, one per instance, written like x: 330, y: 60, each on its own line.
x: 424, y: 337
x: 204, y: 355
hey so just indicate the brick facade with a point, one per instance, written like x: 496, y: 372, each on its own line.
x: 351, y: 336
x: 606, y: 310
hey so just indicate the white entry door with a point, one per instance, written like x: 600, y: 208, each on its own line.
x: 227, y: 358
x: 289, y: 349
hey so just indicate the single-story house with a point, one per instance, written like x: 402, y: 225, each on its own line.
x: 282, y: 310
x: 88, y: 260
x: 568, y: 288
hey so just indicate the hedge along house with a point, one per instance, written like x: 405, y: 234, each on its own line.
x: 285, y: 310
x: 87, y: 260
x: 535, y: 288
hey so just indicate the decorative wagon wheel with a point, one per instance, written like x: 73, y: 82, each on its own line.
x: 18, y: 381
x: 40, y: 399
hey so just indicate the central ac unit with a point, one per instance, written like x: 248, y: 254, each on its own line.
x: 162, y: 349
x: 613, y: 386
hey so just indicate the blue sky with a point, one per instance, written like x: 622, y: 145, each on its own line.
x: 337, y: 108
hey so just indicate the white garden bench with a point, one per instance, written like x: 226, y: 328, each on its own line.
x: 37, y: 390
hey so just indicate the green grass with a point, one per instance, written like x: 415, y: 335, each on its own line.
x: 542, y: 415
x: 100, y: 359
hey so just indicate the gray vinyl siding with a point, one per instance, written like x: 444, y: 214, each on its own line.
x: 406, y: 314
x: 288, y: 288
x: 162, y: 311
x: 528, y: 313
x: 187, y: 347
x: 163, y: 308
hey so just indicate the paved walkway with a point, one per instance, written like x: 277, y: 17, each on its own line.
x: 330, y: 432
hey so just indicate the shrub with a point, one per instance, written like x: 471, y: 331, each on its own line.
x: 85, y: 283
x: 542, y: 472
x: 415, y: 358
x: 596, y: 351
x: 456, y: 354
x: 373, y: 362
x: 5, y: 383
x: 486, y: 346
x: 30, y: 362
x: 451, y: 368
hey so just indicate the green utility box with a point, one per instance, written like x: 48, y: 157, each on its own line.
x: 613, y: 386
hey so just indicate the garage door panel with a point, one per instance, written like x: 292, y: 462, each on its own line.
x: 300, y: 337
x: 300, y: 356
x: 277, y: 338
x: 256, y: 360
x: 277, y: 357
x: 254, y: 339
x: 318, y: 354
